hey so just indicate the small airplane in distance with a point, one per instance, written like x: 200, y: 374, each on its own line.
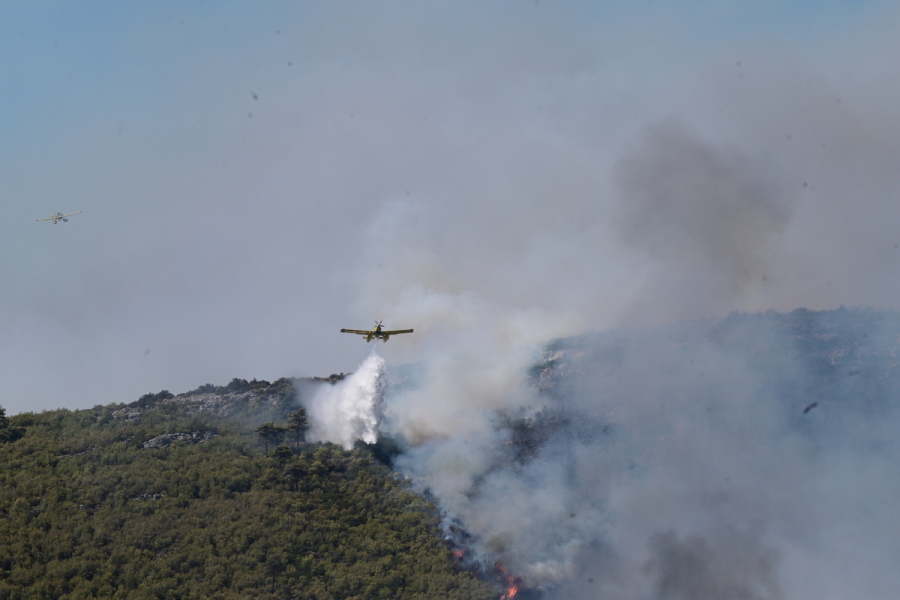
x: 376, y: 334
x: 59, y: 216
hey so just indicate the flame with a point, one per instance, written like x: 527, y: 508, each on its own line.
x: 512, y: 582
x: 512, y: 590
x: 458, y: 553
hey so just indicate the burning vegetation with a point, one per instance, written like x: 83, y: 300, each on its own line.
x: 510, y: 582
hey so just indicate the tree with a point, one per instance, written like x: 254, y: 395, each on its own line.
x: 237, y: 385
x: 270, y: 433
x: 294, y: 472
x: 282, y: 454
x: 7, y: 433
x: 298, y: 423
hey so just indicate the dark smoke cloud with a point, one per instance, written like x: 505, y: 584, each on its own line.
x: 737, y: 568
x: 705, y: 216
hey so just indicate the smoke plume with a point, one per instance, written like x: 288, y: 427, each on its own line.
x: 693, y: 569
x: 678, y: 462
x: 702, y: 215
x: 644, y: 464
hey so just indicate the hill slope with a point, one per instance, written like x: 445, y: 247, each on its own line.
x: 89, y: 508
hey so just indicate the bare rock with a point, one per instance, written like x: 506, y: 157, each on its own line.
x: 167, y: 439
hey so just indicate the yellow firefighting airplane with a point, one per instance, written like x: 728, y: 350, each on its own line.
x: 376, y: 334
x: 59, y: 217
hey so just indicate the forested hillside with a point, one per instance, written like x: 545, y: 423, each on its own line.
x: 175, y: 497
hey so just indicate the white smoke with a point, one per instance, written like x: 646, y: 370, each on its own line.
x: 351, y: 409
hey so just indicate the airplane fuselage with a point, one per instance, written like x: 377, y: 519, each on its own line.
x: 376, y: 335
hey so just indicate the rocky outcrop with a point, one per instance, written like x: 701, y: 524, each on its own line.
x: 167, y: 439
x: 129, y: 413
x: 220, y: 405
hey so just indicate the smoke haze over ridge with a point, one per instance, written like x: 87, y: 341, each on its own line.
x: 689, y: 462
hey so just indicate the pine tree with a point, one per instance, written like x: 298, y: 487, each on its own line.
x: 270, y: 433
x: 298, y: 423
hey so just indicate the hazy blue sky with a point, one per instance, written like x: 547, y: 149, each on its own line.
x: 255, y: 176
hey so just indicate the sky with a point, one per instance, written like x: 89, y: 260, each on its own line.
x: 253, y: 177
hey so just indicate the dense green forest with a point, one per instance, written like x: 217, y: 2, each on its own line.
x: 175, y: 497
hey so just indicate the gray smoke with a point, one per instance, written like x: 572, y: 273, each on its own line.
x: 641, y: 463
x: 705, y: 218
x: 677, y: 463
x: 694, y: 569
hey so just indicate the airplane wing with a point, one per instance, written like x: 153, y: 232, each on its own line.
x: 47, y: 219
x: 69, y: 215
x: 356, y: 331
x: 396, y: 331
